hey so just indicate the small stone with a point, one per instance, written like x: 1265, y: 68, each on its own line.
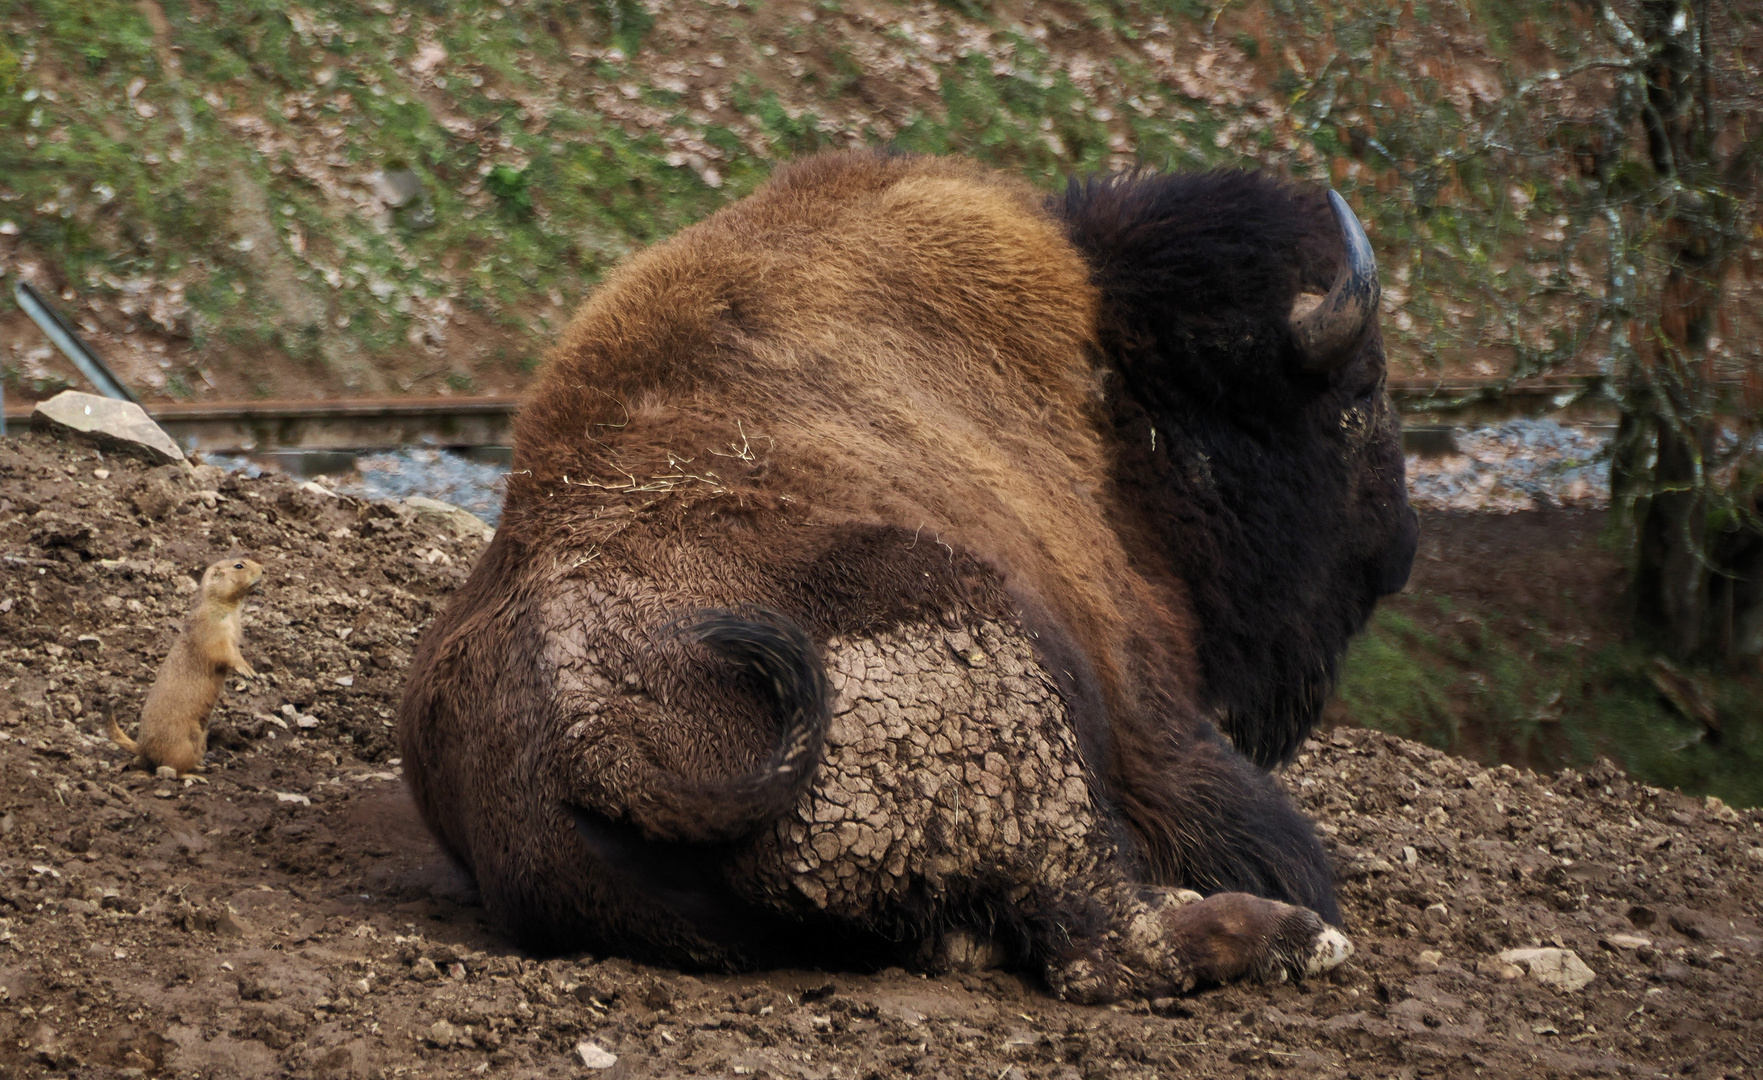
x: 230, y: 924
x: 593, y: 1057
x: 1718, y: 809
x: 1560, y: 968
x: 1427, y: 961
x: 107, y: 423
x: 166, y: 772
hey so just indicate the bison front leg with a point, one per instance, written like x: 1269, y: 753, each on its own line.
x: 1160, y: 941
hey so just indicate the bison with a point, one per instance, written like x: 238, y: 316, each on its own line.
x: 882, y: 560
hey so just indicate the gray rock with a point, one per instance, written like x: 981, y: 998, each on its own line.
x: 397, y: 187
x: 1560, y: 968
x: 593, y: 1057
x: 463, y: 523
x: 109, y: 424
x: 402, y: 191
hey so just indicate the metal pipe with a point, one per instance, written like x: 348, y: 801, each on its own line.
x: 70, y: 344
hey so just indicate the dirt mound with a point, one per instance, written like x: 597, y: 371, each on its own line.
x: 287, y: 914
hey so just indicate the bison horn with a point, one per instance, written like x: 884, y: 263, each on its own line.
x: 1328, y: 334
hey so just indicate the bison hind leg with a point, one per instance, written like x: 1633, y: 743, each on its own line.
x: 1164, y: 941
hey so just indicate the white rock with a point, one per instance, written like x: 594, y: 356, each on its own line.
x: 1560, y: 968
x: 1630, y: 941
x: 462, y: 522
x: 121, y: 426
x: 593, y: 1057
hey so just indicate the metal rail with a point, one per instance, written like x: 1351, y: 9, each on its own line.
x: 1430, y: 409
x: 347, y: 424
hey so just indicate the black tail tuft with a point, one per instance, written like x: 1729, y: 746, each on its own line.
x: 780, y: 652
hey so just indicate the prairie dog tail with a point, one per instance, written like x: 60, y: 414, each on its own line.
x: 117, y: 737
x: 782, y: 654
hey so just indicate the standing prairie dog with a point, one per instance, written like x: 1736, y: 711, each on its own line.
x: 174, y: 721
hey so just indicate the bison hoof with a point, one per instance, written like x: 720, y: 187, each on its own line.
x: 1170, y: 941
x: 1231, y: 936
x: 1329, y: 951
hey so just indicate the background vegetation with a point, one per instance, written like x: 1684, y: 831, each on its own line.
x: 205, y: 179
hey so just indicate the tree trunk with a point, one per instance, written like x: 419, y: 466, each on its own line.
x: 1671, y: 580
x: 1676, y: 572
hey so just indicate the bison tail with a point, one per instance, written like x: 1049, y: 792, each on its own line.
x: 784, y: 656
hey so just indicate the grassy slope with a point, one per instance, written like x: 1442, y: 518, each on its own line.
x: 197, y: 175
x: 1507, y: 647
x: 1521, y: 700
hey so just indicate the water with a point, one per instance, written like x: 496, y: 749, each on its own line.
x: 464, y: 481
x: 440, y: 474
x: 1517, y: 465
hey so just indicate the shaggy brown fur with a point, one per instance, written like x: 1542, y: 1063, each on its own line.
x: 174, y: 720
x: 873, y: 398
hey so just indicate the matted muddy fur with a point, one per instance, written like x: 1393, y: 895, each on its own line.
x: 843, y: 606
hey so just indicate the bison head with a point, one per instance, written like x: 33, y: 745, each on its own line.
x: 1258, y: 451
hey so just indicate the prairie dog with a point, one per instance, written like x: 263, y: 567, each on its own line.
x: 174, y: 721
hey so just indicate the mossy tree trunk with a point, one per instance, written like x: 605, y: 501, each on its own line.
x: 1695, y: 519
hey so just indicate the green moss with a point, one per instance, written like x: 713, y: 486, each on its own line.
x: 512, y: 187
x: 1387, y: 684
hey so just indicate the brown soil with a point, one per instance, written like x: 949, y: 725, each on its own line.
x: 287, y: 914
x: 1538, y: 568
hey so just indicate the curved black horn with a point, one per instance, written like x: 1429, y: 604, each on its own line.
x: 1327, y: 336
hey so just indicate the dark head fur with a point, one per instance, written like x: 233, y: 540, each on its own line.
x: 1275, y: 492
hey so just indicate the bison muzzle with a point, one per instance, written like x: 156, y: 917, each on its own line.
x: 900, y: 558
